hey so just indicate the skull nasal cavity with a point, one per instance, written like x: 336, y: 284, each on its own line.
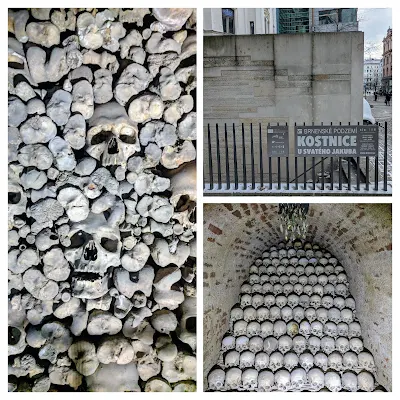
x: 14, y: 197
x: 90, y: 252
x: 112, y: 146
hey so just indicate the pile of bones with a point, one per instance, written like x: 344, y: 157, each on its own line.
x: 102, y: 195
x: 295, y: 328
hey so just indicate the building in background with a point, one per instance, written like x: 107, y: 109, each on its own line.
x: 302, y: 20
x: 239, y: 21
x: 387, y: 62
x: 372, y: 81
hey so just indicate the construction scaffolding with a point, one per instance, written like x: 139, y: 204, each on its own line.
x: 293, y: 20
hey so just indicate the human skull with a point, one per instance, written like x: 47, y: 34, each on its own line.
x: 333, y: 261
x: 287, y: 288
x: 274, y: 313
x: 285, y: 261
x: 349, y: 381
x: 301, y: 253
x: 256, y: 344
x: 253, y: 269
x: 281, y: 301
x: 274, y: 279
x: 350, y: 303
x: 341, y: 290
x: 278, y: 289
x: 298, y: 288
x: 315, y: 301
x: 275, y: 361
x: 354, y: 330
x: 322, y: 279
x: 257, y: 301
x: 253, y: 279
x: 249, y: 314
x: 232, y: 359
x: 271, y: 270
x: 245, y: 288
x: 309, y: 253
x: 267, y: 329
x: 280, y: 270
x: 262, y: 314
x: 329, y: 289
x: 275, y: 262
x: 282, y: 380
x: 342, y: 278
x: 266, y: 381
x: 319, y: 269
x: 305, y: 328
x: 261, y: 361
x: 299, y: 344
x: 333, y: 381
x: 299, y: 270
x: 279, y: 328
x: 270, y: 345
x: 366, y: 381
x: 303, y: 261
x: 240, y: 328
x: 291, y: 253
x: 356, y: 345
x: 287, y: 313
x: 308, y: 290
x: 321, y: 361
x: 294, y: 261
x: 318, y: 289
x: 269, y: 300
x: 334, y: 315
x: 242, y: 343
x: 298, y: 378
x: 342, y: 329
x: 290, y: 270
x: 350, y: 360
x: 338, y: 302
x: 317, y: 328
x: 245, y: 300
x: 290, y: 360
x: 322, y: 315
x: 313, y: 279
x: 304, y: 301
x: 328, y: 345
x: 253, y: 329
x: 335, y: 361
x: 257, y: 288
x: 250, y: 379
x: 311, y: 314
x: 95, y: 247
x: 366, y: 361
x: 316, y: 379
x: 112, y: 137
x: 303, y: 280
x: 327, y: 301
x: 293, y: 279
x: 216, y: 379
x: 347, y: 315
x: 233, y: 378
x: 306, y: 360
x: 228, y: 343
x: 292, y: 328
x: 283, y: 280
x: 274, y: 254
x: 247, y: 359
x: 332, y: 279
x: 309, y: 270
x: 258, y: 262
x: 298, y: 314
x: 284, y: 344
x: 262, y: 269
x: 323, y: 261
x: 293, y: 300
x: 236, y: 314
x: 268, y: 288
x: 264, y: 278
x: 331, y: 329
x: 338, y: 269
x: 314, y: 344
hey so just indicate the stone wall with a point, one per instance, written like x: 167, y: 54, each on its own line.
x: 358, y: 235
x: 290, y: 79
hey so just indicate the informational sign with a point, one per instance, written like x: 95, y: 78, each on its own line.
x: 336, y: 141
x: 278, y: 141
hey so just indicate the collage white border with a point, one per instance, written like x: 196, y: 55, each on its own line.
x: 395, y: 199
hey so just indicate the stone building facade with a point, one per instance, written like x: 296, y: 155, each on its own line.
x: 387, y: 62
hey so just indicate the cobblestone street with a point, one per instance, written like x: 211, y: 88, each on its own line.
x: 383, y: 113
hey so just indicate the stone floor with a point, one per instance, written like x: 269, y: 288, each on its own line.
x: 295, y: 328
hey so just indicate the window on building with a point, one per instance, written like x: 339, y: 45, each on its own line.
x: 252, y: 27
x: 347, y: 15
x: 228, y: 20
x: 327, y: 17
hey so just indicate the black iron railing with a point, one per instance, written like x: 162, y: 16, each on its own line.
x: 227, y: 165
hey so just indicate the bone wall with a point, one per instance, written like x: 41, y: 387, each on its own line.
x: 358, y: 235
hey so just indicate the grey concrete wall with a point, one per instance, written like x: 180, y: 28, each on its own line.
x: 281, y: 78
x: 358, y: 235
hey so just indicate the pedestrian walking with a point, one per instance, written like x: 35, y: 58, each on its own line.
x: 376, y: 96
x: 387, y: 99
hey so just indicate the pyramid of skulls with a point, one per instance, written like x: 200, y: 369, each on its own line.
x: 295, y: 328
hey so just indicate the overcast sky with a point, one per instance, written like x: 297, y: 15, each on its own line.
x: 374, y: 22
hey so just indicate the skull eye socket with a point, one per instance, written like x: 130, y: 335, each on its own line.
x: 78, y: 239
x: 101, y: 137
x: 128, y: 139
x: 109, y: 244
x: 14, y: 197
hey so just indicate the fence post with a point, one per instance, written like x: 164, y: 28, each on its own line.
x: 287, y: 171
x: 269, y: 165
x: 218, y: 159
x: 235, y: 158
x: 253, y: 183
x: 385, y: 161
x: 261, y: 160
x: 322, y: 169
x: 244, y: 159
x: 279, y: 169
x: 358, y: 169
x: 331, y: 168
x: 228, y: 178
x: 210, y: 164
x: 348, y: 172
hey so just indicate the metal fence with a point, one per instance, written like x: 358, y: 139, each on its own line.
x: 235, y: 162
